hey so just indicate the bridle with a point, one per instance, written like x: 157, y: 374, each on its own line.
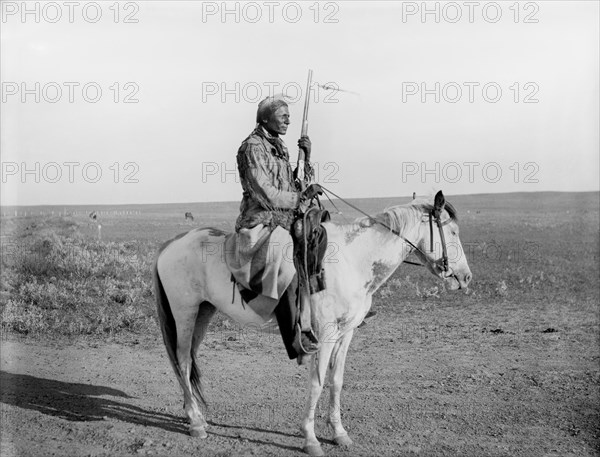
x: 433, y: 215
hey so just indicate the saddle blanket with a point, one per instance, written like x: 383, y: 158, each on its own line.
x: 261, y: 259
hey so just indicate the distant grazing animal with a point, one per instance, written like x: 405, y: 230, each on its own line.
x: 93, y: 215
x: 189, y: 217
x: 192, y: 282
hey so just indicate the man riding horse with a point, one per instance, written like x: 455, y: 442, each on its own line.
x: 272, y: 196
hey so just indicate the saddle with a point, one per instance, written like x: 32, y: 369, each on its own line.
x: 310, y: 244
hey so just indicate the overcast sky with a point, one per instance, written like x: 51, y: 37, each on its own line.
x: 467, y: 98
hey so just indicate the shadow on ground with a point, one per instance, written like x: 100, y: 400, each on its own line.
x: 87, y: 402
x: 80, y: 402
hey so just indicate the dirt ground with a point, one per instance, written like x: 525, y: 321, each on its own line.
x: 511, y: 369
x: 525, y: 384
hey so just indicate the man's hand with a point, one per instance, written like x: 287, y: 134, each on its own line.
x: 312, y: 191
x: 305, y: 144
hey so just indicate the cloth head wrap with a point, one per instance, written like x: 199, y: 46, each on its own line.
x: 268, y: 106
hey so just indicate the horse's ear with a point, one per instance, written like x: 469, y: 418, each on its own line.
x: 438, y: 203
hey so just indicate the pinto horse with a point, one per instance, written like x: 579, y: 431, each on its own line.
x: 192, y: 281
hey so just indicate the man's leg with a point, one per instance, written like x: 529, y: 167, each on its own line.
x: 306, y: 341
x: 286, y: 317
x: 286, y: 313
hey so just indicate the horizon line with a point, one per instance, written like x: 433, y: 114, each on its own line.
x: 348, y: 198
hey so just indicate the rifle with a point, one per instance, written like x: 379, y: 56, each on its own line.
x: 304, y: 132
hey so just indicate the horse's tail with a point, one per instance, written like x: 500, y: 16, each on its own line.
x: 169, y: 333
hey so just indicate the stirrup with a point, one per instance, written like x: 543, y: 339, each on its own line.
x: 312, y: 345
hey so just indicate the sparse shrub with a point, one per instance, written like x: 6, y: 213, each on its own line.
x: 22, y: 319
x: 428, y: 292
x: 58, y: 282
x: 502, y: 288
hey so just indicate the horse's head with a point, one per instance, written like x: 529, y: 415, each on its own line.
x: 439, y: 245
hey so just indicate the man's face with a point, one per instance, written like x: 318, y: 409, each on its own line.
x: 279, y: 121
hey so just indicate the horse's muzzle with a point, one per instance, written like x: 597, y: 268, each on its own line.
x: 457, y: 281
x: 464, y: 279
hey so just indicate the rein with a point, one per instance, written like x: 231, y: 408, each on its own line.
x: 433, y: 215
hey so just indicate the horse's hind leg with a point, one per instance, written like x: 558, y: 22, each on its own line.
x: 186, y: 319
x: 198, y: 423
x: 205, y: 313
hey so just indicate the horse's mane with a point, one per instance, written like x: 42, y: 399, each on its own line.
x: 397, y: 217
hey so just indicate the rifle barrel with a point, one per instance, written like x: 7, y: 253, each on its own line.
x: 306, y: 103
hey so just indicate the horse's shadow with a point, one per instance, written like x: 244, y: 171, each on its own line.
x: 87, y: 402
x: 80, y: 402
x: 211, y: 431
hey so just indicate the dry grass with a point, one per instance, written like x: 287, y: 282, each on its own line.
x: 59, y: 279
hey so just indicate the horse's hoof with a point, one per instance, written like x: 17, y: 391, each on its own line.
x: 199, y: 432
x: 314, y: 450
x: 343, y: 440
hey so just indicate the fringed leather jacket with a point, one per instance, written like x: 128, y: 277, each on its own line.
x: 271, y: 193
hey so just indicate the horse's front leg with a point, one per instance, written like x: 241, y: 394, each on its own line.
x: 318, y: 368
x: 336, y: 380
